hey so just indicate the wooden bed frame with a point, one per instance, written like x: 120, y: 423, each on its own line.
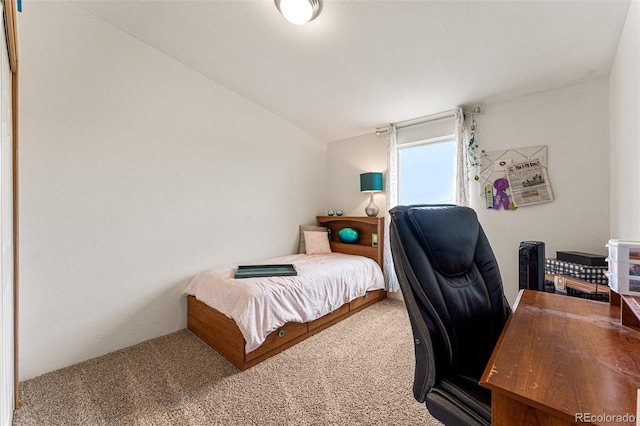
x: 223, y: 335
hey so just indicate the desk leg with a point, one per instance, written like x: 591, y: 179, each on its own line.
x: 506, y: 411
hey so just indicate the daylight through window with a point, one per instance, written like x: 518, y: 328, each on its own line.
x: 425, y: 171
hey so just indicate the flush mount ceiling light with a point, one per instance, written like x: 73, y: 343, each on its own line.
x: 299, y: 12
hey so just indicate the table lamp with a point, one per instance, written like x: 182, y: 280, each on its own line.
x: 371, y: 182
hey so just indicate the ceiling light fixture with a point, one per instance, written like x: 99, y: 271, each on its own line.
x: 299, y: 12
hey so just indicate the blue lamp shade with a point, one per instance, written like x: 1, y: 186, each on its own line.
x: 371, y: 182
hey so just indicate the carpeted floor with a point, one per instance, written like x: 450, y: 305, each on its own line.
x: 358, y: 372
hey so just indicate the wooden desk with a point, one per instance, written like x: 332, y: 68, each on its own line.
x: 559, y: 356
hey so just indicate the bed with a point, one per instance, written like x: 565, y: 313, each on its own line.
x: 251, y: 319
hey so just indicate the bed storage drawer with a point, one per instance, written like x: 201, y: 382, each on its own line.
x: 369, y: 298
x: 331, y: 316
x: 282, y: 335
x: 216, y: 330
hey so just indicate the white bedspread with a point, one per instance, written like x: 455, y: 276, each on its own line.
x: 261, y: 305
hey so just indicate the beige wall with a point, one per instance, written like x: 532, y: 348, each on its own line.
x: 624, y: 131
x: 346, y: 159
x: 572, y: 122
x: 135, y: 174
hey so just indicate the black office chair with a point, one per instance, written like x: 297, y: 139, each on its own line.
x: 454, y: 297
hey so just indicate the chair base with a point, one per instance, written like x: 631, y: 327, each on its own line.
x: 460, y: 401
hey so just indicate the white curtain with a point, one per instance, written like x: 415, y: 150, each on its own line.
x: 391, y: 193
x: 461, y: 167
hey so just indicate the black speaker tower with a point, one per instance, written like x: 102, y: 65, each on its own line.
x: 531, y: 261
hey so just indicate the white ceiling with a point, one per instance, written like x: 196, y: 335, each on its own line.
x: 362, y: 64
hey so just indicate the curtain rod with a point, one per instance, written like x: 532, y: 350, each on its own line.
x: 428, y: 118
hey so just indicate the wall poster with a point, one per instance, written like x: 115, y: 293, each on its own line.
x: 529, y: 183
x: 515, y: 177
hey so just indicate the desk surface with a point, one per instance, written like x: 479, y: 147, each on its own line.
x: 565, y: 355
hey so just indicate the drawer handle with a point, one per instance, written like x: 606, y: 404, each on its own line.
x: 281, y: 333
x: 366, y: 294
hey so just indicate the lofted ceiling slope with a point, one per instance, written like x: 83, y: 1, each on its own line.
x: 363, y: 64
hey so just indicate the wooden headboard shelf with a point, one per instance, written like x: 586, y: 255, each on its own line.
x: 366, y: 227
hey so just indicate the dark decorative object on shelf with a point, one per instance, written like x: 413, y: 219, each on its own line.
x: 348, y: 235
x: 339, y: 213
x: 330, y: 213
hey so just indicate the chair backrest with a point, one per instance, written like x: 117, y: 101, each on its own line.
x: 452, y: 289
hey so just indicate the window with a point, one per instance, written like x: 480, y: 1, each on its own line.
x: 425, y: 171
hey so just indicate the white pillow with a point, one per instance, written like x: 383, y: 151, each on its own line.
x: 301, y: 248
x: 317, y: 242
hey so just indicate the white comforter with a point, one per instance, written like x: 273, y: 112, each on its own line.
x: 261, y: 305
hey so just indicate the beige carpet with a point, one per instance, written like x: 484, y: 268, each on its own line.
x: 359, y: 372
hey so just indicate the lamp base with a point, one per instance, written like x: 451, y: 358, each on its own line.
x: 372, y: 210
